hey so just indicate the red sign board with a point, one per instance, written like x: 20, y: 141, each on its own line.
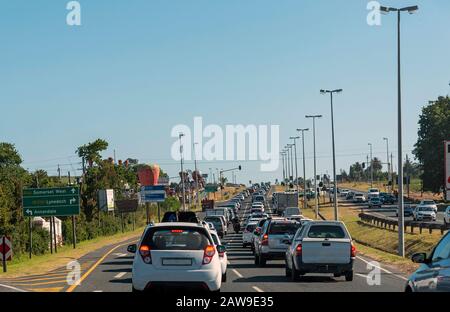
x: 5, y: 248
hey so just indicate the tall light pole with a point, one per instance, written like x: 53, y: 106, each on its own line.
x: 315, y: 164
x: 288, y: 165
x: 182, y: 173
x: 331, y: 92
x: 282, y: 162
x: 290, y: 146
x: 304, y: 166
x: 388, y: 163
x: 371, y: 165
x: 401, y: 208
x: 196, y: 174
x: 296, y: 168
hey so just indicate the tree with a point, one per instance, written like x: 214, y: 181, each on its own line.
x: 9, y: 155
x: 356, y: 172
x: 434, y: 128
x: 91, y: 151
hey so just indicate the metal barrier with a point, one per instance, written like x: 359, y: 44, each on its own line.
x: 390, y: 224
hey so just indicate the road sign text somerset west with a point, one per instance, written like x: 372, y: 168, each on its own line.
x: 45, y: 202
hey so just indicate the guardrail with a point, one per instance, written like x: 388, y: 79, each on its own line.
x: 387, y: 223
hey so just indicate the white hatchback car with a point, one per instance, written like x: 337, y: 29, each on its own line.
x: 222, y: 255
x: 247, y: 234
x: 176, y: 254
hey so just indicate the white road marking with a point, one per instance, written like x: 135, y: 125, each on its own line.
x: 98, y: 291
x: 237, y: 273
x: 13, y: 288
x: 120, y: 275
x: 258, y: 289
x: 120, y: 255
x: 382, y: 269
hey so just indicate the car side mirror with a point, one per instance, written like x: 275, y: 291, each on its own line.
x: 132, y: 248
x: 419, y: 258
x: 221, y: 249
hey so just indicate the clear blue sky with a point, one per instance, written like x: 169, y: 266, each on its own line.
x: 134, y: 69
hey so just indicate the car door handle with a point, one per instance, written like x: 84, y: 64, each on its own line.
x: 326, y: 244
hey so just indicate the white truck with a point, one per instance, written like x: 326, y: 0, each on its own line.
x: 283, y: 200
x: 321, y: 247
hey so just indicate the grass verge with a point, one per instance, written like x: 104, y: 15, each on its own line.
x: 45, y: 263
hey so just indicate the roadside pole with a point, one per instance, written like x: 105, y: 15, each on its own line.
x: 55, y: 236
x: 147, y: 212
x: 31, y: 234
x: 51, y: 236
x: 74, y: 232
x: 4, y: 254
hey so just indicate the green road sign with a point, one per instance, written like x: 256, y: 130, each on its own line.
x: 211, y: 188
x: 45, y: 202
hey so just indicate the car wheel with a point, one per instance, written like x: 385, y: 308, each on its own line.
x: 224, y: 278
x: 262, y: 261
x: 349, y: 276
x: 287, y: 270
x: 294, y: 274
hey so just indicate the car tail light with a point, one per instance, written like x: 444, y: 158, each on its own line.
x: 265, y: 240
x: 208, y: 254
x: 298, y: 250
x: 145, y: 253
x: 353, y: 251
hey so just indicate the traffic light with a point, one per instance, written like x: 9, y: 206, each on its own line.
x: 321, y: 184
x: 240, y: 168
x: 364, y: 165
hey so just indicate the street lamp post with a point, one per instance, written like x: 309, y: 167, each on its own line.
x: 315, y: 161
x: 196, y: 175
x: 182, y: 173
x: 401, y: 208
x: 292, y: 162
x: 288, y: 165
x: 296, y: 168
x: 371, y: 165
x: 282, y: 161
x: 388, y: 163
x: 304, y: 166
x: 331, y: 92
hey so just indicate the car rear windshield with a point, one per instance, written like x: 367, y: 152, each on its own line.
x: 216, y: 221
x: 251, y: 227
x: 177, y: 238
x: 283, y: 228
x: 326, y: 231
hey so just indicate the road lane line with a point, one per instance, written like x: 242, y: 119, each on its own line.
x: 120, y: 275
x: 85, y: 275
x: 382, y: 269
x: 237, y: 273
x: 258, y: 289
x: 13, y: 288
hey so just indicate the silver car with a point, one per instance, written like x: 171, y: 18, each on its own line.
x: 434, y: 272
x: 271, y: 244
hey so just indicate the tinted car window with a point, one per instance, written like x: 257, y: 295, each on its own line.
x: 176, y: 239
x: 326, y: 231
x: 442, y: 250
x: 283, y: 228
x: 216, y: 221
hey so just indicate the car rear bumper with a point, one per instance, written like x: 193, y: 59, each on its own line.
x: 274, y: 255
x: 148, y: 279
x: 338, y: 268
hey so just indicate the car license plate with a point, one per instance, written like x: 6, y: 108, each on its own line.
x: 177, y: 261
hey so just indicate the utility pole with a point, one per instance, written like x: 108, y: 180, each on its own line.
x: 304, y: 167
x: 371, y: 166
x: 59, y: 173
x: 401, y: 208
x: 182, y: 173
x: 296, y: 168
x: 331, y: 92
x: 392, y: 171
x: 282, y: 162
x: 197, y: 175
x: 367, y: 169
x: 315, y: 163
x: 388, y: 163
